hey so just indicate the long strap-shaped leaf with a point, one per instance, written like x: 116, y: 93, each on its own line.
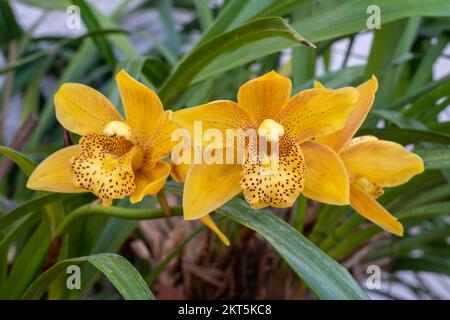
x: 327, y: 278
x: 26, y: 164
x: 253, y: 31
x: 125, y: 278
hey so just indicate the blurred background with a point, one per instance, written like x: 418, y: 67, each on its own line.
x: 42, y: 46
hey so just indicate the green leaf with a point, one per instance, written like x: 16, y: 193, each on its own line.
x: 165, y: 9
x: 300, y: 213
x: 326, y: 278
x: 9, y: 29
x: 204, y: 13
x: 424, y: 212
x: 18, y: 230
x: 348, y: 244
x: 340, y: 18
x: 25, y: 164
x: 223, y: 21
x: 424, y: 70
x: 303, y: 59
x: 82, y: 61
x: 406, y: 136
x: 122, y: 42
x: 27, y: 262
x: 427, y: 263
x: 160, y: 47
x: 392, y: 42
x: 428, y: 89
x: 125, y: 278
x: 30, y: 206
x: 92, y: 24
x: 435, y: 159
x: 48, y: 4
x: 251, y: 32
x: 283, y: 7
x: 399, y: 119
x: 411, y: 242
x: 50, y: 53
x: 233, y: 14
x: 117, y: 212
x: 336, y: 19
x: 155, y: 70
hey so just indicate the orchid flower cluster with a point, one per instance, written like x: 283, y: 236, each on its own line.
x: 309, y: 138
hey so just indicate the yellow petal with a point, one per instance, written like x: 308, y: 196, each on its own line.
x: 221, y: 115
x: 358, y: 140
x: 207, y: 187
x: 55, y: 172
x: 150, y: 182
x: 372, y: 210
x: 262, y: 98
x: 276, y: 181
x: 142, y: 106
x: 210, y: 224
x: 384, y: 163
x: 181, y: 163
x: 368, y: 187
x: 367, y: 91
x: 315, y: 112
x: 179, y: 172
x: 326, y: 177
x: 83, y: 110
x: 160, y: 145
x: 105, y: 167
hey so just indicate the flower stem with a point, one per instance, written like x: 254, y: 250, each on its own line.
x: 117, y: 212
x: 162, y: 199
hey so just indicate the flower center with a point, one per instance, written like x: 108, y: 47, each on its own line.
x: 271, y: 130
x: 118, y: 129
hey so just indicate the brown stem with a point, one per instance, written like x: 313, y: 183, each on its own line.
x: 25, y: 130
x: 52, y: 253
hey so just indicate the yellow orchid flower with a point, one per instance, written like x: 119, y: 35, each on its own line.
x: 265, y: 106
x: 115, y: 158
x: 372, y: 164
x: 179, y: 173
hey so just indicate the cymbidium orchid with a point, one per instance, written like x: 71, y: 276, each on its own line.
x: 115, y: 157
x: 371, y: 164
x: 264, y: 105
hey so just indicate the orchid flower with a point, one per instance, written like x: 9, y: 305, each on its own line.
x: 371, y: 164
x: 265, y: 106
x: 115, y: 157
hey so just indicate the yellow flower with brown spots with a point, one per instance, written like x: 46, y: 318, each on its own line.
x: 372, y: 164
x: 265, y: 106
x: 115, y: 157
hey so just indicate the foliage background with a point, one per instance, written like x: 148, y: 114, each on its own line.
x: 160, y: 42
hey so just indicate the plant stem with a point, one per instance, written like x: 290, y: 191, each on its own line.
x: 162, y: 200
x: 118, y: 212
